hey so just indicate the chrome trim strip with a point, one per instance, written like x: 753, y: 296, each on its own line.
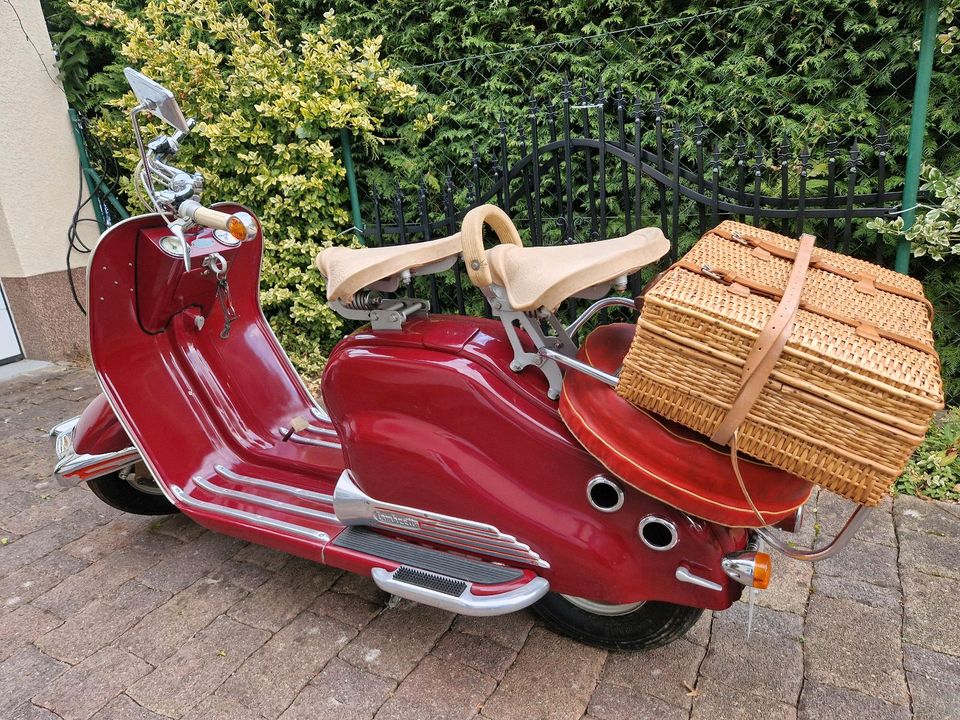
x: 260, y: 520
x: 856, y: 519
x: 467, y: 603
x: 354, y: 507
x: 684, y: 575
x: 301, y: 493
x: 307, y: 441
x: 263, y: 501
x: 322, y: 431
x: 320, y: 414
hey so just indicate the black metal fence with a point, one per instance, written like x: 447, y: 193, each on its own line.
x: 592, y: 166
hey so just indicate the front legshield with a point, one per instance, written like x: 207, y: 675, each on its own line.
x: 73, y: 468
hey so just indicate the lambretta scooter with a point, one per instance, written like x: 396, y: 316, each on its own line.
x: 438, y: 462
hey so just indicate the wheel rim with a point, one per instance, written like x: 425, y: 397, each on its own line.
x: 139, y: 479
x: 599, y: 608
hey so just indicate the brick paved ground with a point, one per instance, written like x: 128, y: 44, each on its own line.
x: 119, y: 617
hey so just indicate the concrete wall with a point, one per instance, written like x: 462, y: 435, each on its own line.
x: 39, y: 182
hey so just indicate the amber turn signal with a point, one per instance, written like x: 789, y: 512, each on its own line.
x: 237, y: 228
x: 752, y: 569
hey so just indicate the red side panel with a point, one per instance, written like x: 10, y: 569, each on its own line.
x: 98, y: 430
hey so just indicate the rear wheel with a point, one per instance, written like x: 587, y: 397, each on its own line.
x: 133, y: 490
x: 634, y: 626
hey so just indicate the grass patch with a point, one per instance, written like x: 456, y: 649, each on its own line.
x: 934, y: 471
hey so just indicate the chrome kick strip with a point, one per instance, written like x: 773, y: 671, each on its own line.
x: 354, y: 507
x: 320, y: 414
x: 322, y: 431
x: 263, y: 501
x: 294, y: 437
x: 260, y: 520
x: 301, y: 493
x: 466, y: 603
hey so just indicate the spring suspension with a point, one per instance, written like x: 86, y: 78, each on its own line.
x: 367, y: 300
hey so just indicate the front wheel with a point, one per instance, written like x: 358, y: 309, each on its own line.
x: 132, y: 490
x: 636, y: 626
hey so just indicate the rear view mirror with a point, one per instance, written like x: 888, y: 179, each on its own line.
x: 157, y: 99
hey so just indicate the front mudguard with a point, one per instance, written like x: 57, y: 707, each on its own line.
x: 91, y: 445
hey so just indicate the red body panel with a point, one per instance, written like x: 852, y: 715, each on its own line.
x: 429, y: 417
x: 98, y: 430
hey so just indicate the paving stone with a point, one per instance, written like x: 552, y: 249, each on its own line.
x: 198, y: 667
x: 934, y: 680
x: 664, y: 673
x: 24, y: 550
x: 790, y: 586
x: 362, y: 586
x: 510, y: 630
x: 87, y: 687
x: 926, y: 516
x: 475, y: 651
x: 854, y: 646
x: 717, y: 701
x: 349, y: 609
x: 23, y: 626
x: 833, y: 511
x: 438, y: 690
x: 265, y: 557
x: 827, y: 701
x: 270, y: 679
x: 158, y: 635
x: 615, y: 702
x: 178, y: 526
x: 863, y: 561
x: 190, y: 562
x: 340, y: 692
x: 31, y: 581
x: 769, y: 664
x: 887, y: 598
x: 930, y: 554
x: 29, y: 711
x: 553, y: 678
x: 46, y: 509
x: 221, y: 707
x: 243, y: 575
x: 288, y: 593
x: 23, y: 674
x: 105, y: 539
x: 123, y: 708
x: 699, y: 634
x: 100, y: 622
x: 395, y: 641
x: 930, y: 612
x: 96, y: 581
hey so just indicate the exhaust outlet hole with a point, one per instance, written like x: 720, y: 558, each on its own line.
x: 657, y: 533
x: 604, y: 494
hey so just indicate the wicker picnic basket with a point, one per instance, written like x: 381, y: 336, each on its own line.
x: 815, y: 362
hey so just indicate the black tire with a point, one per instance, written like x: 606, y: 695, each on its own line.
x: 649, y: 626
x: 117, y: 492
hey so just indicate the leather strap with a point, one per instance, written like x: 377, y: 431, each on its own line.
x: 739, y: 285
x: 865, y: 283
x: 768, y: 346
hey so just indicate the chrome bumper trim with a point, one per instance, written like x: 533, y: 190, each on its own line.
x: 73, y: 468
x: 263, y: 501
x: 251, y: 518
x: 466, y: 603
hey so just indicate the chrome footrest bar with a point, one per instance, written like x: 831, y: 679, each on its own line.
x: 301, y: 493
x: 466, y: 603
x: 263, y: 501
x: 856, y: 519
x: 287, y: 434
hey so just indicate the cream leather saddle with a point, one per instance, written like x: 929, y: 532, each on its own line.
x: 531, y: 277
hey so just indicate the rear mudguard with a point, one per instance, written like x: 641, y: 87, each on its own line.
x: 98, y: 431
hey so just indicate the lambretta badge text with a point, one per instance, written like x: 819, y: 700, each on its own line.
x: 389, y: 518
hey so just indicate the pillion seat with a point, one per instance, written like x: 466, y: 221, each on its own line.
x: 529, y: 278
x: 349, y: 270
x: 535, y: 277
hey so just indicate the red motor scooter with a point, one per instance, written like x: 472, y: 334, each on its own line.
x: 438, y: 462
